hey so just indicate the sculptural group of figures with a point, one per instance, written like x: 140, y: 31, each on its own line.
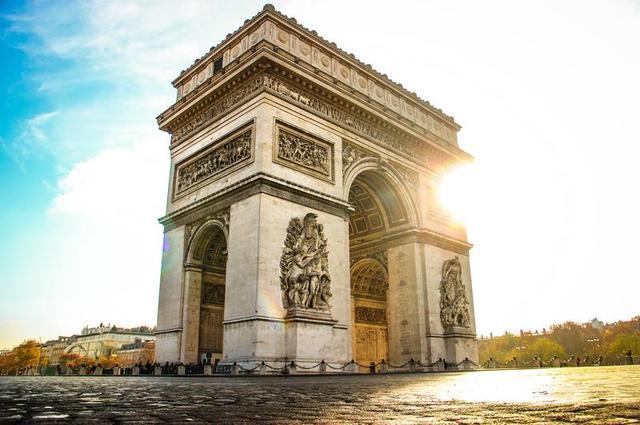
x: 304, y: 278
x: 303, y: 152
x: 216, y: 161
x: 454, y: 310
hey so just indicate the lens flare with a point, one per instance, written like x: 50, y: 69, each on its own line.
x: 455, y: 192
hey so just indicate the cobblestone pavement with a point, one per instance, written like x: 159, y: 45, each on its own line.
x: 606, y: 395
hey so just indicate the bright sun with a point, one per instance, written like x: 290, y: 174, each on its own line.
x: 455, y: 192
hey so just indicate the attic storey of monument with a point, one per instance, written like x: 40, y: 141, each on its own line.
x: 302, y: 223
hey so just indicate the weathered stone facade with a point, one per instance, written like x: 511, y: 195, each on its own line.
x: 301, y: 223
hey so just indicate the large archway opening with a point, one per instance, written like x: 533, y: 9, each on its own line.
x: 210, y: 259
x: 378, y: 210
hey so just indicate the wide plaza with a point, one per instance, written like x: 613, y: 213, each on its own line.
x: 597, y: 395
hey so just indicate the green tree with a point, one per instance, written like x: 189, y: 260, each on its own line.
x: 624, y: 343
x: 541, y: 347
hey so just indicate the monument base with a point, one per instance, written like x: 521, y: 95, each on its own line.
x: 460, y: 344
x: 308, y: 336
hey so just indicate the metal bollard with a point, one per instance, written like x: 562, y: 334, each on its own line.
x: 182, y: 370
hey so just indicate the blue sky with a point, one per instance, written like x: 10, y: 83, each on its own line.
x: 547, y: 94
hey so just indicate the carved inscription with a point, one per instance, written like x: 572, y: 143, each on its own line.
x: 311, y: 155
x: 453, y: 300
x: 371, y: 315
x: 304, y: 266
x: 215, y: 161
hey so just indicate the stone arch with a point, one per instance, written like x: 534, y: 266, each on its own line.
x: 206, y: 274
x: 369, y: 285
x: 369, y: 276
x: 386, y: 175
x: 201, y: 239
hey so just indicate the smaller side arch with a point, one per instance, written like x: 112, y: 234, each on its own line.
x: 201, y: 238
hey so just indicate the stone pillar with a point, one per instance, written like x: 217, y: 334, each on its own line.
x: 353, y: 367
x: 191, y: 314
x: 68, y: 371
x: 206, y: 369
x: 116, y: 371
x: 157, y: 370
x: 293, y: 369
x: 235, y: 369
x: 98, y: 371
x: 82, y: 371
x: 170, y: 303
x: 555, y: 362
x: 491, y: 364
x: 405, y: 299
x: 256, y: 324
x: 182, y: 370
x: 384, y: 368
x: 135, y: 371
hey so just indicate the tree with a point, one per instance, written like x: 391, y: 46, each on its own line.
x: 624, y: 343
x: 543, y: 348
x: 28, y: 353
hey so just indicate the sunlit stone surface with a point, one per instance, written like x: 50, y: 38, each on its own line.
x: 575, y: 395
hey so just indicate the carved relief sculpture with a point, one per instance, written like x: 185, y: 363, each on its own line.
x: 371, y: 315
x: 212, y: 294
x: 304, y: 266
x: 304, y: 153
x: 214, y: 162
x: 453, y: 300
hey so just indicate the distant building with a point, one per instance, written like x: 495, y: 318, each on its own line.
x: 596, y: 324
x: 52, y: 350
x: 104, y: 341
x: 137, y: 352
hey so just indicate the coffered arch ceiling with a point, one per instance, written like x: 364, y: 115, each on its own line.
x: 377, y: 206
x: 369, y: 279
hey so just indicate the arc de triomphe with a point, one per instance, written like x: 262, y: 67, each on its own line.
x: 302, y: 222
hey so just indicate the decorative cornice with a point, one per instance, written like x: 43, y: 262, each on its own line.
x: 305, y: 94
x: 286, y: 33
x: 254, y: 184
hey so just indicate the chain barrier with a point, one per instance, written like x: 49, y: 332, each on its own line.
x: 306, y: 368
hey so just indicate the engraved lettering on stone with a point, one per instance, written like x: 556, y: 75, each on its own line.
x: 299, y: 150
x: 304, y: 265
x: 454, y: 310
x: 214, y: 162
x: 370, y: 315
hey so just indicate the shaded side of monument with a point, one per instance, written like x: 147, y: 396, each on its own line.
x: 302, y: 218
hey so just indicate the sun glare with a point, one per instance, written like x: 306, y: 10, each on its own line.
x: 454, y: 193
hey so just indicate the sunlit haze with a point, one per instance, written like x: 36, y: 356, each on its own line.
x: 546, y: 93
